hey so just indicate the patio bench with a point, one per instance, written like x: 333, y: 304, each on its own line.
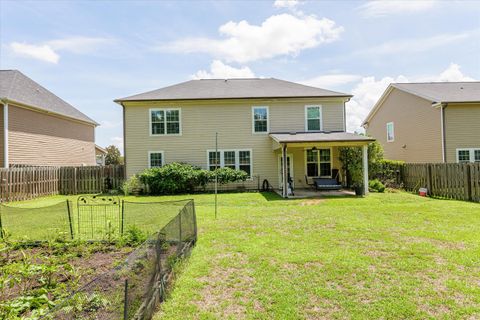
x: 326, y: 184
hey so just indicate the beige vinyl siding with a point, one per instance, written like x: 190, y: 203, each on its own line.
x: 233, y: 122
x: 36, y: 138
x: 417, y: 128
x: 1, y: 137
x: 462, y: 128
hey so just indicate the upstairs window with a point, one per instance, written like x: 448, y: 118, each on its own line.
x: 390, y: 132
x: 313, y: 118
x: 468, y: 155
x: 155, y: 159
x: 260, y: 119
x: 234, y: 159
x: 165, y: 122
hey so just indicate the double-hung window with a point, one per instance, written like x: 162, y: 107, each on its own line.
x: 319, y: 162
x: 313, y: 118
x: 234, y: 159
x: 468, y: 155
x: 165, y: 122
x: 260, y: 119
x: 155, y: 159
x: 390, y: 132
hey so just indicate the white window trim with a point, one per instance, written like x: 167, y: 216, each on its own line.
x: 471, y: 153
x: 320, y: 112
x: 253, y: 119
x: 149, y: 158
x: 165, y: 115
x: 393, y: 131
x: 237, y: 159
x: 318, y: 158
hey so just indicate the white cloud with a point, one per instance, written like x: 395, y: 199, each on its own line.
x: 282, y: 34
x: 367, y: 92
x: 109, y: 124
x: 289, y: 4
x: 49, y: 51
x: 452, y: 73
x: 331, y: 80
x: 381, y: 8
x: 416, y: 45
x: 39, y: 52
x: 78, y: 45
x: 219, y: 70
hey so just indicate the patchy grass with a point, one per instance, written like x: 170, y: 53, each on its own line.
x: 387, y: 256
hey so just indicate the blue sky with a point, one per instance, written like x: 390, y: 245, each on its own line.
x: 91, y: 52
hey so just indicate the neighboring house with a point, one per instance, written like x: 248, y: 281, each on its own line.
x: 259, y: 122
x: 100, y: 155
x: 428, y: 122
x: 39, y: 128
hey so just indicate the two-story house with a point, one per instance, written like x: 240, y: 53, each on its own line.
x: 270, y: 128
x: 428, y: 122
x: 37, y: 128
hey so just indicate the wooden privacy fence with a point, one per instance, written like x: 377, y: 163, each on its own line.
x: 25, y: 183
x: 459, y: 181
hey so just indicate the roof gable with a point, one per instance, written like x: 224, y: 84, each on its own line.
x: 435, y: 92
x: 233, y: 89
x: 16, y: 87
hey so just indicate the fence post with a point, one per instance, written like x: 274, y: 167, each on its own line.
x: 469, y: 183
x: 122, y: 218
x: 70, y: 218
x: 194, y: 221
x: 125, y: 301
x: 1, y: 226
x: 429, y: 179
x: 180, y: 225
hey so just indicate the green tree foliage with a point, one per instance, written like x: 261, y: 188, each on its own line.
x: 351, y: 158
x: 113, y: 156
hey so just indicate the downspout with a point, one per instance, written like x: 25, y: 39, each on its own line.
x: 5, y: 134
x: 124, y: 143
x: 442, y: 107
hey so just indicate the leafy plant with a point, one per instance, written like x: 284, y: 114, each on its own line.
x: 376, y: 185
x: 132, y: 185
x: 133, y: 236
x: 176, y: 178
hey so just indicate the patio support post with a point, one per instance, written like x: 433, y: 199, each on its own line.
x: 284, y: 172
x: 365, y: 169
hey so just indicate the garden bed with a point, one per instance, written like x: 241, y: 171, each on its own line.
x: 34, y: 278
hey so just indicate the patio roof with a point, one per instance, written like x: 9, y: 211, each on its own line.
x: 308, y: 137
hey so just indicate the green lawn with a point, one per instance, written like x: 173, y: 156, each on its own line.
x: 386, y: 256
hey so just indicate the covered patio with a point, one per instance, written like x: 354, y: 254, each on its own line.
x: 308, y: 159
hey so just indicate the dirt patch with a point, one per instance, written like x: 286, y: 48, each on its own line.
x: 312, y: 202
x: 228, y: 291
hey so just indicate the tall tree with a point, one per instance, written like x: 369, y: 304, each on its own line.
x: 113, y: 155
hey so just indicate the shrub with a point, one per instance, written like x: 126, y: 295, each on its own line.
x: 388, y: 171
x: 175, y: 178
x: 131, y: 185
x: 376, y: 185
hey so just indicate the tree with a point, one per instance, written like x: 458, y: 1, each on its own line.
x: 113, y: 155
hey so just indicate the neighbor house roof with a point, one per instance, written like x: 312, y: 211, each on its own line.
x: 234, y: 89
x: 16, y: 87
x: 435, y: 92
x: 102, y: 150
x: 444, y: 92
x: 340, y: 136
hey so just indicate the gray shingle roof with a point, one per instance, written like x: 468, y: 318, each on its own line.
x: 233, y: 89
x: 443, y: 91
x: 16, y: 87
x: 318, y: 137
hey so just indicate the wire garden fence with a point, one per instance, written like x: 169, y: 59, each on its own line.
x: 133, y: 289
